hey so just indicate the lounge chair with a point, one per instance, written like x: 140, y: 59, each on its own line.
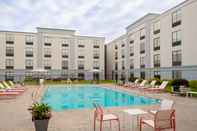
x: 132, y: 83
x: 165, y: 105
x: 158, y: 89
x: 8, y: 87
x: 101, y: 117
x: 4, y: 89
x: 7, y: 93
x: 141, y: 85
x: 163, y: 119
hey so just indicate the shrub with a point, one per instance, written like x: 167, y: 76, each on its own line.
x: 180, y: 82
x: 193, y: 84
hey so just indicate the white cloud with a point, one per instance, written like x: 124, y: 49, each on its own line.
x: 94, y: 17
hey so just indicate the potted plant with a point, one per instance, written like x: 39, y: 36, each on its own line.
x: 41, y: 113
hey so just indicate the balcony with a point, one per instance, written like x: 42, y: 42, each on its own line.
x: 142, y: 66
x: 80, y: 67
x: 142, y: 37
x: 29, y: 43
x: 47, y: 55
x: 131, y: 54
x: 156, y: 32
x: 81, y: 57
x: 176, y: 63
x: 156, y: 48
x: 176, y: 43
x: 47, y: 44
x: 9, y: 67
x: 156, y: 64
x: 9, y: 54
x: 142, y: 51
x: 9, y: 42
x: 29, y: 67
x: 47, y: 67
x: 177, y: 23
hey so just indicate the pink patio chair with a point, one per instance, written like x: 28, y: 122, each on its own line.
x: 163, y: 119
x: 101, y: 117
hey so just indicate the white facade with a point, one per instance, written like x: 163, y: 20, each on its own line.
x: 59, y: 51
x: 168, y: 47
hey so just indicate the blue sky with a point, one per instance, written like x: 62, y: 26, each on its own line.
x: 89, y: 17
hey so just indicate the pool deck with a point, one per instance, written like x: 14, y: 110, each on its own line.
x: 14, y: 115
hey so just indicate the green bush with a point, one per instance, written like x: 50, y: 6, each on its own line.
x: 193, y: 85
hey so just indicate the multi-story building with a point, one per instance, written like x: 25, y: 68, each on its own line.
x: 59, y: 52
x: 161, y: 45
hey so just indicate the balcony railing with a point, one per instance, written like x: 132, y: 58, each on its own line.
x: 176, y: 23
x: 156, y: 48
x: 176, y: 63
x: 156, y: 31
x: 176, y: 43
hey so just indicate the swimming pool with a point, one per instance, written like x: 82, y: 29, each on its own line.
x: 61, y: 98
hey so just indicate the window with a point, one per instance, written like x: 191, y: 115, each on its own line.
x: 131, y: 63
x: 81, y: 46
x: 29, y: 40
x: 157, y: 74
x: 81, y: 65
x: 142, y: 48
x: 131, y: 51
x: 123, y: 53
x: 176, y: 74
x: 123, y: 65
x: 176, y: 38
x: 64, y: 53
x: 65, y: 64
x: 156, y: 44
x: 96, y: 65
x: 116, y: 55
x: 142, y: 75
x: 176, y: 58
x: 142, y: 34
x: 47, y: 52
x: 81, y: 57
x: 29, y: 52
x: 116, y: 66
x: 96, y: 46
x: 9, y: 51
x: 29, y: 64
x: 96, y: 54
x: 156, y: 27
x: 65, y: 45
x: 142, y: 62
x: 116, y: 47
x: 123, y: 45
x: 9, y: 39
x: 81, y: 76
x: 176, y: 18
x: 131, y: 42
x: 47, y: 41
x: 9, y: 63
x: 47, y: 64
x: 156, y: 60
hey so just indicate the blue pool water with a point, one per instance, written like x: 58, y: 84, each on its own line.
x: 80, y: 97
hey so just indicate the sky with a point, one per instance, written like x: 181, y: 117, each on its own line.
x: 106, y: 18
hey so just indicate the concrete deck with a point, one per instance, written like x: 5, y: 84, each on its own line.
x: 14, y: 115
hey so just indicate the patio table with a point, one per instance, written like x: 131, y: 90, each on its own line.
x: 135, y: 113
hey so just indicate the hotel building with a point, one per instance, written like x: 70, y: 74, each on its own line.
x: 61, y: 53
x: 157, y: 45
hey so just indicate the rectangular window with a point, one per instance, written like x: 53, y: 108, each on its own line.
x: 116, y: 47
x: 156, y: 44
x: 47, y: 41
x: 142, y: 62
x: 81, y: 65
x: 81, y: 57
x: 47, y: 52
x: 96, y: 65
x: 96, y: 54
x: 131, y: 63
x: 156, y: 27
x: 131, y: 51
x: 96, y: 46
x: 142, y: 34
x: 123, y: 53
x: 9, y: 39
x: 116, y: 66
x: 176, y: 38
x: 176, y: 74
x: 29, y: 40
x: 65, y: 45
x: 9, y: 51
x: 156, y: 60
x: 81, y: 76
x: 176, y: 58
x: 81, y: 46
x: 29, y: 64
x: 131, y: 42
x: 47, y: 64
x: 157, y: 74
x: 64, y: 53
x: 176, y: 18
x: 116, y: 55
x: 65, y: 65
x: 142, y: 48
x: 9, y: 63
x: 29, y: 52
x: 123, y: 65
